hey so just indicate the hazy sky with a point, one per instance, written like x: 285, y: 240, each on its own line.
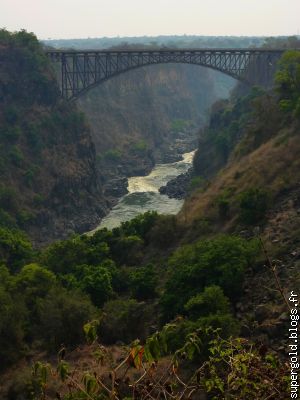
x: 97, y: 18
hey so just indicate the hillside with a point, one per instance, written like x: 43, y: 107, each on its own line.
x: 49, y: 183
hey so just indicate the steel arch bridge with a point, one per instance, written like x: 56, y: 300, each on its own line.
x: 83, y: 70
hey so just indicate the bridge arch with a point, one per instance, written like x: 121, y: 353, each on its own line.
x: 84, y: 70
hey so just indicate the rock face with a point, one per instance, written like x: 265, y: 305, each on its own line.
x: 49, y: 182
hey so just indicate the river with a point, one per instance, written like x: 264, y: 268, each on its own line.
x: 144, y: 194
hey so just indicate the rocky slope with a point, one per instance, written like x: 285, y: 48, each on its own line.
x: 49, y: 182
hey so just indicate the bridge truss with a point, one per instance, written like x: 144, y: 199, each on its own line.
x: 82, y: 70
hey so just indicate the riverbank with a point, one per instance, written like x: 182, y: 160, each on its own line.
x: 143, y: 193
x: 115, y: 172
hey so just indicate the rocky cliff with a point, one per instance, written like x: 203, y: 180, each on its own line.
x: 49, y: 184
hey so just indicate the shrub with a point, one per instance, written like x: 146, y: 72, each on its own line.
x: 179, y: 125
x: 124, y: 320
x: 288, y: 82
x: 12, y: 317
x: 16, y: 156
x: 8, y: 199
x: 196, y: 182
x: 112, y: 155
x: 143, y: 283
x: 211, y: 301
x: 62, y: 314
x: 220, y: 261
x: 63, y: 256
x: 30, y: 175
x: 24, y: 217
x: 254, y: 204
x: 6, y: 220
x: 223, y: 207
x: 11, y: 133
x: 165, y: 232
x: 127, y: 249
x: 97, y: 282
x: 15, y: 248
x: 140, y: 225
x: 34, y: 281
x: 140, y: 147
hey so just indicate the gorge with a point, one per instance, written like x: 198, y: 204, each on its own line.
x: 192, y: 294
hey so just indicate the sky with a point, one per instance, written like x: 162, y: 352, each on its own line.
x: 98, y: 18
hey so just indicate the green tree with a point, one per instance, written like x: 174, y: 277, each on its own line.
x: 124, y: 320
x: 211, y: 301
x: 288, y: 82
x: 34, y: 281
x: 13, y: 315
x: 143, y: 283
x: 61, y: 316
x: 254, y: 204
x: 221, y: 261
x: 12, y: 321
x: 97, y: 282
x: 15, y: 249
x: 63, y: 256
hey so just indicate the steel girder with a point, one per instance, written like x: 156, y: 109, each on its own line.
x: 82, y: 70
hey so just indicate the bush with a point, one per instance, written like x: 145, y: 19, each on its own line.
x: 33, y: 282
x: 8, y: 199
x: 112, y: 155
x: 211, y: 301
x: 288, y: 82
x: 196, y: 182
x: 254, y: 204
x: 11, y: 133
x: 179, y: 125
x: 165, y: 231
x: 124, y: 320
x: 61, y: 315
x: 143, y: 283
x: 15, y: 249
x: 24, y: 217
x: 140, y: 147
x: 139, y: 226
x: 16, y: 156
x: 127, y: 249
x: 221, y: 261
x: 97, y: 282
x: 6, y: 220
x: 63, y: 256
x: 12, y: 321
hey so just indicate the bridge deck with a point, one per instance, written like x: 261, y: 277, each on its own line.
x: 82, y: 70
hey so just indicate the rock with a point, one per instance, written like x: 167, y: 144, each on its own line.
x: 177, y: 188
x: 116, y: 187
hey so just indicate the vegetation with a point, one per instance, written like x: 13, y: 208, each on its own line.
x: 288, y: 81
x: 253, y: 205
x: 44, y: 141
x: 233, y: 368
x: 142, y: 280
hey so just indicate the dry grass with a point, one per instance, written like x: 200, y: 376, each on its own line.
x: 274, y: 166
